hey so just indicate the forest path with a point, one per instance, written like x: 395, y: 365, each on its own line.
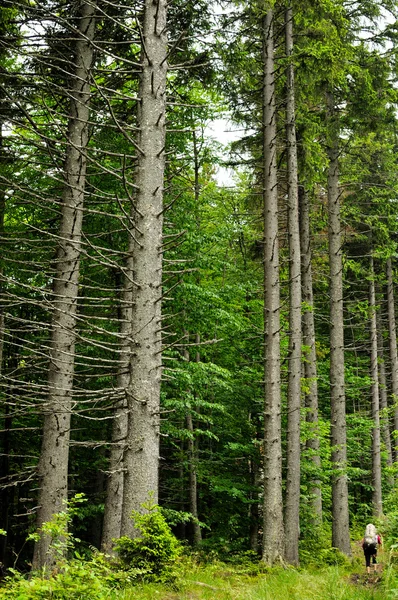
x: 360, y: 576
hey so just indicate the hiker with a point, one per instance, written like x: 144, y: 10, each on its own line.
x: 370, y: 542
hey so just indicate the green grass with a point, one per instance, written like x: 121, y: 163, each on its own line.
x: 218, y: 582
x: 213, y: 581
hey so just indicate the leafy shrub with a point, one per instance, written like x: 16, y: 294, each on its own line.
x: 62, y: 541
x: 90, y: 578
x: 333, y: 557
x: 156, y: 550
x: 81, y: 580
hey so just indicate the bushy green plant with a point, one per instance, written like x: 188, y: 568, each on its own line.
x: 321, y: 555
x: 62, y: 540
x: 389, y: 523
x: 333, y: 557
x: 155, y: 550
x: 316, y: 544
x: 92, y: 579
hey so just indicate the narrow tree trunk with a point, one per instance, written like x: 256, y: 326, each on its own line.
x: 2, y: 215
x: 53, y: 464
x: 4, y: 493
x: 255, y: 482
x: 193, y: 444
x: 384, y: 420
x: 292, y: 524
x: 376, y: 456
x: 193, y: 484
x: 193, y: 473
x: 310, y: 366
x: 114, y: 487
x: 392, y: 331
x: 142, y: 448
x: 340, y: 514
x: 273, y: 537
x: 192, y: 461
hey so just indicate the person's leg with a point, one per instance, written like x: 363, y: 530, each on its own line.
x: 367, y: 560
x: 374, y: 560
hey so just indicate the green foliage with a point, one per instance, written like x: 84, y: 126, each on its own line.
x: 90, y: 578
x: 315, y: 549
x: 155, y: 551
x: 389, y: 523
x: 79, y: 579
x: 62, y: 540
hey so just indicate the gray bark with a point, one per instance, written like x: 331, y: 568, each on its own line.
x: 292, y: 502
x: 142, y: 448
x: 384, y: 420
x: 192, y: 461
x: 392, y: 331
x: 340, y: 514
x: 115, y: 476
x: 193, y: 472
x: 53, y: 463
x: 4, y: 460
x: 374, y: 374
x: 273, y: 538
x: 2, y: 215
x: 193, y: 483
x: 310, y: 366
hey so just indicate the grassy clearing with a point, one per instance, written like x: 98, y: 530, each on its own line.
x: 242, y: 579
x: 218, y: 582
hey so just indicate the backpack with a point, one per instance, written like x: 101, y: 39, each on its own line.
x: 371, y: 537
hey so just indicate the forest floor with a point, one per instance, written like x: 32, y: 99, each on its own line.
x: 200, y: 578
x: 220, y: 582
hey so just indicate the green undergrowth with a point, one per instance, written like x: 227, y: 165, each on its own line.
x: 96, y: 580
x: 220, y: 582
x: 154, y: 566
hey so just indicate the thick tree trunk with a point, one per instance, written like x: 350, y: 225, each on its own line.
x: 53, y: 464
x: 392, y: 331
x: 273, y: 538
x: 340, y: 514
x: 374, y: 374
x: 115, y: 476
x: 292, y: 504
x: 310, y: 366
x: 142, y: 448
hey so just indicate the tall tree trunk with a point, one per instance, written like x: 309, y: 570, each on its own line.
x: 374, y: 374
x: 193, y: 443
x: 292, y: 504
x: 142, y: 448
x: 384, y: 420
x: 310, y: 366
x: 273, y: 538
x: 6, y: 434
x: 114, y: 486
x: 392, y: 331
x: 2, y: 215
x: 193, y: 483
x: 5, y: 447
x: 340, y: 514
x: 192, y: 462
x: 193, y: 473
x: 53, y: 464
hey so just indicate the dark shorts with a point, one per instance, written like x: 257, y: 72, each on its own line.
x: 370, y: 553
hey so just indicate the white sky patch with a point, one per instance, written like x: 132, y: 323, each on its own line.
x: 224, y: 132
